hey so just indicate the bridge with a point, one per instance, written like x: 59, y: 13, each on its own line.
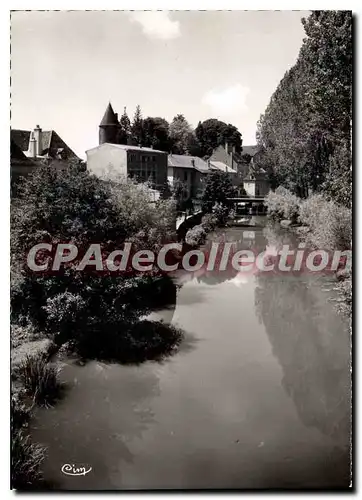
x: 249, y: 204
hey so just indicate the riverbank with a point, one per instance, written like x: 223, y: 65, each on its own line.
x: 320, y: 224
x: 255, y: 397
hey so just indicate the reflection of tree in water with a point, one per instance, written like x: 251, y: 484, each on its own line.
x: 312, y: 346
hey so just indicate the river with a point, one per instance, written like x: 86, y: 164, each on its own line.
x: 256, y: 397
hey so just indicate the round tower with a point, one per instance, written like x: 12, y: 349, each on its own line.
x: 109, y: 127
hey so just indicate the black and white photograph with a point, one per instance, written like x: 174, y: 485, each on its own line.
x: 180, y: 211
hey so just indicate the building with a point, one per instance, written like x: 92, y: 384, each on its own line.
x: 256, y: 182
x: 42, y: 145
x: 111, y: 161
x: 226, y: 156
x: 31, y: 149
x: 191, y: 170
x: 223, y: 167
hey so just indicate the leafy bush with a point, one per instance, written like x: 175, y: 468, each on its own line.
x: 330, y: 224
x: 40, y: 380
x: 72, y: 206
x: 20, y: 412
x: 310, y: 210
x: 282, y: 204
x: 221, y: 212
x: 209, y: 222
x: 196, y: 236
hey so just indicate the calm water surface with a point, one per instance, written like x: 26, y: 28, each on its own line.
x: 257, y: 396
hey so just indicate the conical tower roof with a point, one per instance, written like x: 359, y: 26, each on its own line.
x: 109, y: 117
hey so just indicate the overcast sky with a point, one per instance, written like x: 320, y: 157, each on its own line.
x: 66, y: 66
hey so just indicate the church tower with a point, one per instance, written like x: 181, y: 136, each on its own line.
x: 109, y: 127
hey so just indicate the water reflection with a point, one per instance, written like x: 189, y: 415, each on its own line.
x: 311, y: 343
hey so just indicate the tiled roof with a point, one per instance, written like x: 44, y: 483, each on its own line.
x: 51, y: 143
x: 17, y: 156
x: 21, y: 138
x: 185, y: 161
x: 219, y: 165
x: 109, y: 117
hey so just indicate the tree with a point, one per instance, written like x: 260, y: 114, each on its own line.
x: 179, y: 194
x: 137, y: 134
x: 212, y: 133
x: 125, y: 128
x: 180, y: 132
x: 93, y: 310
x: 308, y: 120
x: 218, y: 188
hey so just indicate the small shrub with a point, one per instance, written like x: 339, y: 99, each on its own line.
x: 330, y: 224
x: 20, y: 413
x: 196, y: 236
x: 40, y: 379
x: 310, y: 209
x: 26, y: 460
x: 221, y: 212
x: 282, y: 204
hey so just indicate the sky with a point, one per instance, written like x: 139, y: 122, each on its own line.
x: 67, y: 66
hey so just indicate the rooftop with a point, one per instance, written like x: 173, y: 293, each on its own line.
x: 127, y: 147
x: 185, y: 161
x: 219, y: 165
x: 109, y: 117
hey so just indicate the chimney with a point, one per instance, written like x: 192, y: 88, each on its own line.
x: 32, y: 146
x: 37, y: 137
x: 193, y: 162
x: 227, y: 147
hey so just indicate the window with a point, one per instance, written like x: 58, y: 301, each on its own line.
x: 185, y: 175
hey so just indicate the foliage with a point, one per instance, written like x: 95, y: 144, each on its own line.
x: 196, y: 236
x: 221, y: 213
x: 212, y: 133
x: 40, y: 380
x: 209, y: 222
x: 156, y: 133
x: 180, y: 132
x: 282, y: 204
x: 218, y: 188
x: 125, y: 128
x: 179, y: 194
x: 330, y: 224
x: 305, y: 131
x: 72, y: 206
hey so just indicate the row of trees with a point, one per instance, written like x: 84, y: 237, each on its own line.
x: 178, y: 136
x: 305, y: 132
